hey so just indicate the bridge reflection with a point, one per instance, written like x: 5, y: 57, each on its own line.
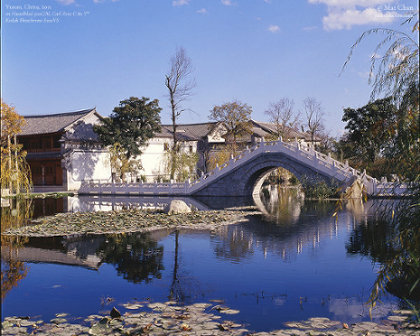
x: 287, y: 225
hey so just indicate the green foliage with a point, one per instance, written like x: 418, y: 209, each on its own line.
x: 131, y: 124
x: 403, y: 152
x: 383, y: 139
x: 370, y: 128
x: 318, y: 190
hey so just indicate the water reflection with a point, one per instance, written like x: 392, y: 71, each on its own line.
x: 295, y: 259
x: 137, y: 257
x: 285, y: 238
x: 17, y: 213
x: 281, y: 205
x: 395, y: 245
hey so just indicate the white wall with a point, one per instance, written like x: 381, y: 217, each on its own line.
x: 85, y: 165
x: 154, y: 159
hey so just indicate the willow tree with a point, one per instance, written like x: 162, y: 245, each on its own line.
x: 15, y: 172
x: 395, y: 73
x: 394, y: 66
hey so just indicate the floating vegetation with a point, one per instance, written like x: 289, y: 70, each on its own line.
x: 197, y: 319
x: 124, y: 221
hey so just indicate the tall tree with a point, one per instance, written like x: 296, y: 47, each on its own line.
x: 282, y: 115
x: 180, y: 85
x: 235, y: 116
x: 314, y: 116
x: 130, y: 125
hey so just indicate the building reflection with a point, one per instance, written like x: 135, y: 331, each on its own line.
x: 137, y: 257
x: 288, y: 225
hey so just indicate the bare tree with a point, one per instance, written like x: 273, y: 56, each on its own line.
x: 314, y: 116
x: 281, y: 114
x: 180, y: 84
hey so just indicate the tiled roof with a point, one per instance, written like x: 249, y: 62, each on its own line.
x: 271, y: 128
x: 188, y: 132
x: 52, y: 123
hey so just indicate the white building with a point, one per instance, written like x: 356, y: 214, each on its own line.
x: 64, y: 151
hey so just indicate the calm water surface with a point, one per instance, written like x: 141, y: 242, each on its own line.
x: 292, y: 262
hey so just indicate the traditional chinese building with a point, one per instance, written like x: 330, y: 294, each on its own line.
x: 63, y: 150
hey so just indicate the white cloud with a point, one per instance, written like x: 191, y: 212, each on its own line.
x: 351, y: 3
x: 274, y: 28
x: 202, y: 11
x: 66, y: 2
x: 227, y: 2
x: 352, y: 308
x: 345, y: 19
x: 309, y: 28
x: 267, y: 1
x: 343, y: 14
x: 180, y: 2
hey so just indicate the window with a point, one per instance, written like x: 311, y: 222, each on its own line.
x: 191, y: 149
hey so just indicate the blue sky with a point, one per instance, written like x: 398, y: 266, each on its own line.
x: 98, y: 52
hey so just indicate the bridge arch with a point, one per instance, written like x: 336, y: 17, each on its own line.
x: 244, y: 180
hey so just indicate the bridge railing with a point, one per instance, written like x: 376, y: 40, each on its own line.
x: 134, y: 188
x: 305, y: 154
x: 319, y: 161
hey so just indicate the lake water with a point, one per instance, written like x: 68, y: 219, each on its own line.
x: 292, y: 262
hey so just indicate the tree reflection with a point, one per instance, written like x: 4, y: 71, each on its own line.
x: 373, y: 239
x: 282, y: 205
x: 238, y: 245
x: 16, y: 214
x: 393, y: 240
x: 136, y: 257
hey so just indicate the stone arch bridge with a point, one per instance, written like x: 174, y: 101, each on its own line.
x: 244, y: 174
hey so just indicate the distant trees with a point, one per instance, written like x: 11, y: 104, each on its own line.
x: 314, y: 114
x: 128, y: 128
x: 283, y: 116
x: 235, y: 117
x: 180, y: 85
